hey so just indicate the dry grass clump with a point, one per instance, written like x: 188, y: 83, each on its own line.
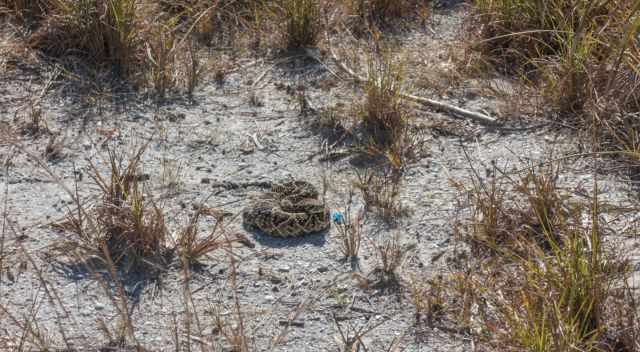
x: 540, y: 277
x: 535, y: 215
x: 104, y: 32
x: 385, y: 120
x: 429, y: 298
x: 127, y: 227
x: 138, y: 41
x: 390, y: 255
x: 351, y: 338
x: 350, y: 229
x: 22, y: 10
x: 130, y: 225
x: 192, y: 246
x: 302, y: 18
x: 379, y: 12
x: 581, y: 53
x: 161, y: 58
x: 34, y: 122
x: 381, y: 192
x: 383, y: 116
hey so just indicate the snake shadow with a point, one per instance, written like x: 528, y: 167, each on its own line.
x: 317, y: 239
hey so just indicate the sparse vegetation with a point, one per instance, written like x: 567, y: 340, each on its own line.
x: 34, y: 123
x: 161, y: 57
x: 391, y: 255
x: 350, y: 228
x: 383, y: 117
x: 539, y: 274
x: 583, y: 54
x: 22, y: 10
x: 127, y: 227
x: 105, y: 34
x: 192, y: 246
x: 103, y: 245
x: 381, y: 191
x: 116, y: 36
x: 352, y: 338
x: 302, y: 18
x: 380, y: 12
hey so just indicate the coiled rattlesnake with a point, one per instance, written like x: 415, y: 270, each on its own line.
x: 290, y: 209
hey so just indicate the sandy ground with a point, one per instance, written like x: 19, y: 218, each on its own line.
x: 195, y: 146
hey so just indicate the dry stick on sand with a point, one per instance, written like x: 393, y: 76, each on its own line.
x: 476, y: 116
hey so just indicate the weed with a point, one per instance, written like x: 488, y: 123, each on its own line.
x: 390, y: 254
x: 53, y: 149
x: 371, y: 12
x: 170, y: 174
x: 134, y: 226
x: 161, y: 56
x: 546, y: 282
x: 194, y: 69
x: 192, y: 246
x: 381, y: 192
x: 382, y: 10
x: 351, y: 339
x: 332, y: 118
x: 350, y: 230
x: 23, y: 11
x: 234, y: 333
x: 34, y: 123
x: 126, y: 227
x: 385, y: 120
x: 429, y: 299
x: 302, y: 23
x: 254, y: 99
x: 576, y: 50
x: 120, y: 33
x: 383, y: 117
x: 106, y: 32
x: 8, y: 135
x: 535, y: 211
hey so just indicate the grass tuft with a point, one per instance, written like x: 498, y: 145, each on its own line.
x: 133, y: 225
x: 106, y: 32
x: 390, y: 254
x: 350, y: 230
x: 381, y: 192
x: 540, y: 277
x: 126, y: 228
x: 302, y: 23
x: 582, y: 53
x: 379, y: 11
x: 383, y: 117
x: 23, y: 11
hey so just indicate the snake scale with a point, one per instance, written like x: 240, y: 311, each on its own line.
x: 289, y: 209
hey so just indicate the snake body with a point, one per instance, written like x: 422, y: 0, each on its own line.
x: 289, y: 209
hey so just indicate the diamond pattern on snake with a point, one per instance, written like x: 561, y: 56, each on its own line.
x: 289, y: 209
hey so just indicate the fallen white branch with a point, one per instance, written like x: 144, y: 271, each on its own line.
x: 456, y: 111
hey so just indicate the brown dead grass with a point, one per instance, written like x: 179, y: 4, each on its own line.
x: 539, y: 274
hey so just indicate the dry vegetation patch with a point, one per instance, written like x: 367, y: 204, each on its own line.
x: 536, y: 272
x: 540, y: 274
x: 583, y: 56
x: 127, y: 228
